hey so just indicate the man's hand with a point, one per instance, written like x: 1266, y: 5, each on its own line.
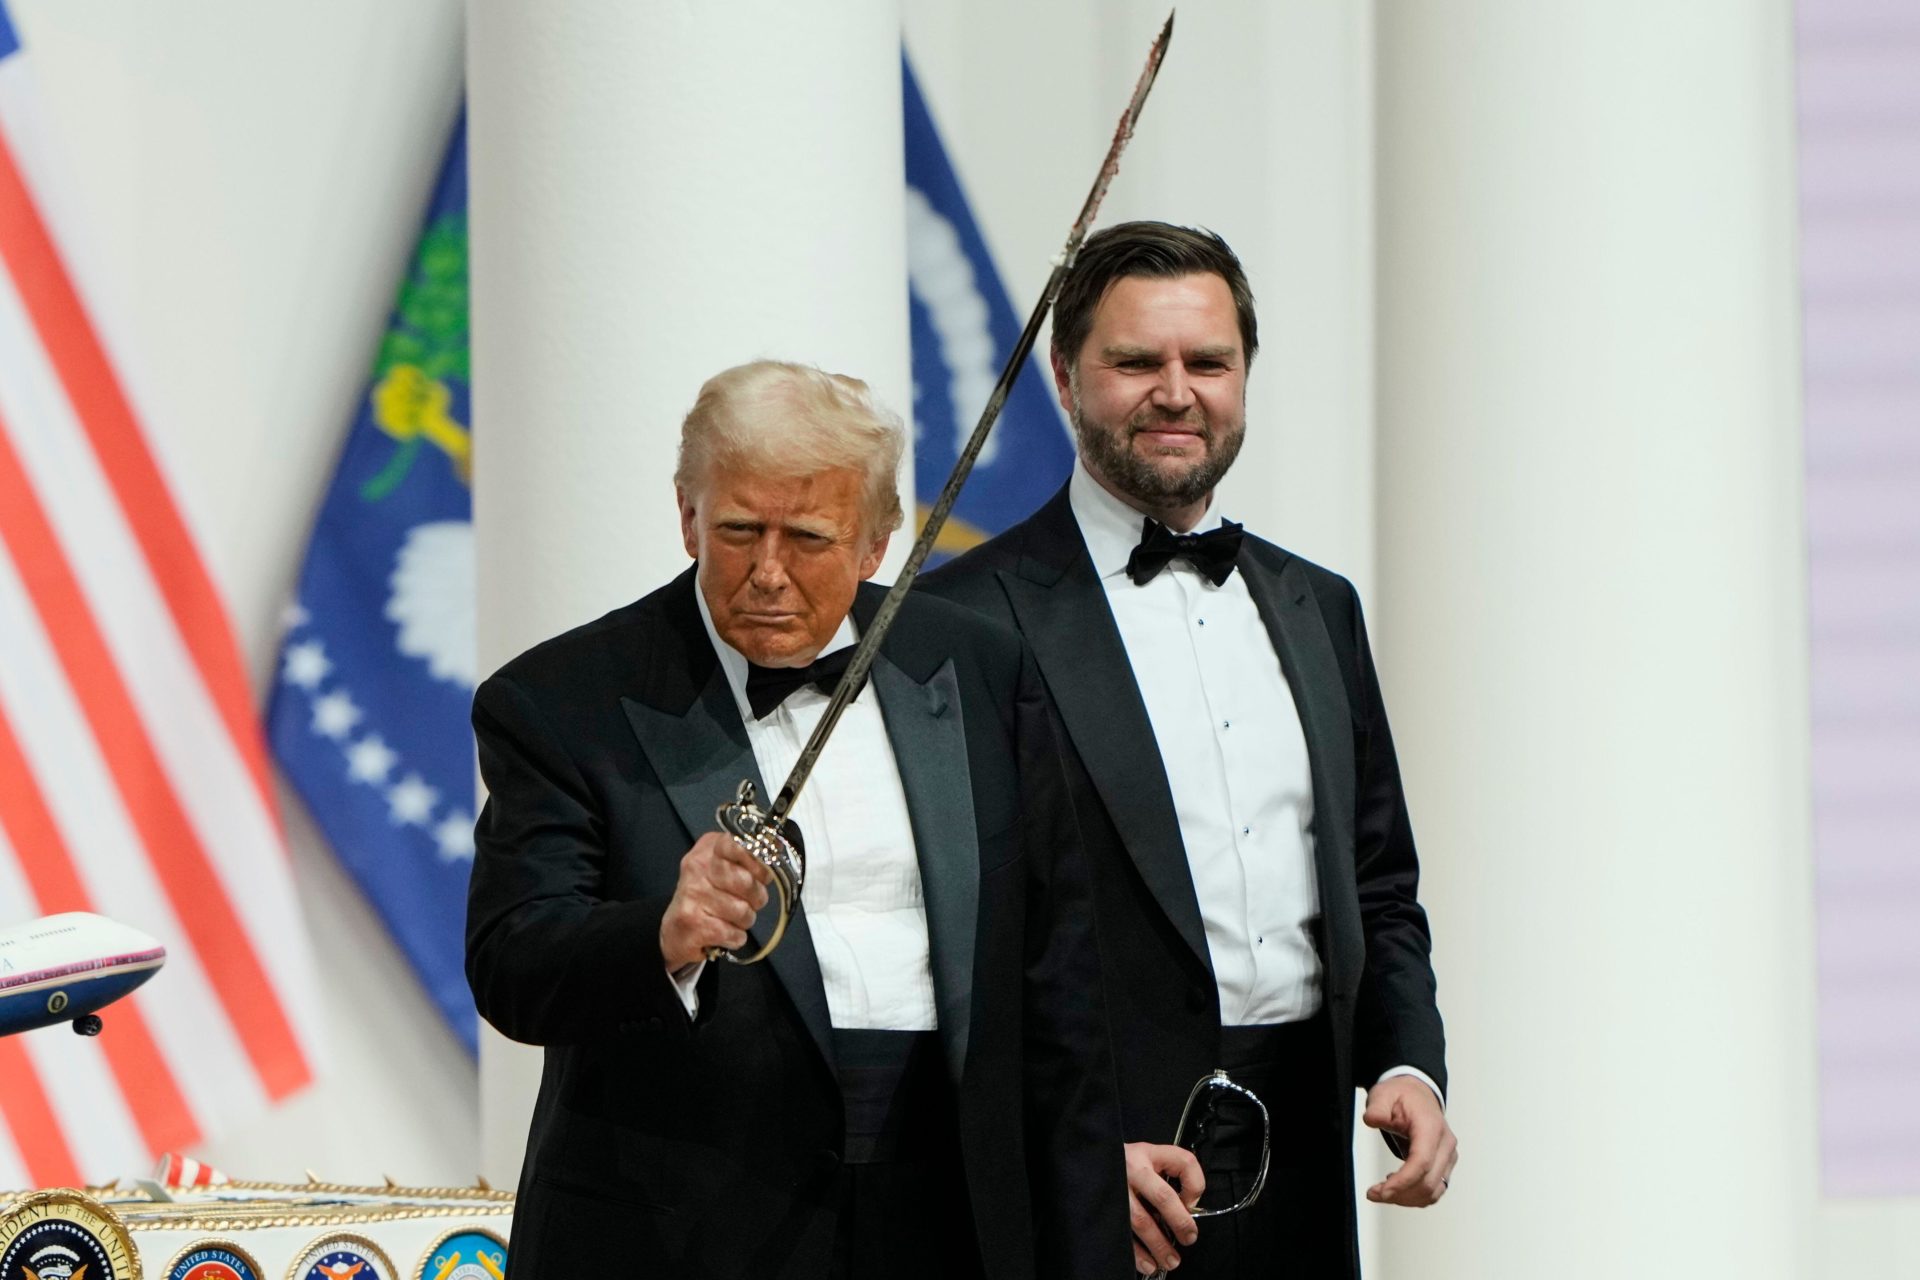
x: 1406, y: 1106
x: 1153, y: 1201
x: 722, y: 888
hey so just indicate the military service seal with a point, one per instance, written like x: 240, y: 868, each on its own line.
x: 64, y: 1235
x: 340, y: 1256
x: 213, y: 1260
x: 465, y: 1254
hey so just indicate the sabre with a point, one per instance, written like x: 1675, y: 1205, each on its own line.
x: 761, y: 832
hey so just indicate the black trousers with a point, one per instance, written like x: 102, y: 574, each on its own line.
x: 1298, y: 1229
x: 904, y: 1211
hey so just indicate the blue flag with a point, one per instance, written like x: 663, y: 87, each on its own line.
x: 963, y: 329
x: 369, y: 711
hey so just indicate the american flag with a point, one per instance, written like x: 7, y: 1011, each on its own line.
x: 133, y: 782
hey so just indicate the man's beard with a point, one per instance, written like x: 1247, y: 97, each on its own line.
x: 1111, y: 454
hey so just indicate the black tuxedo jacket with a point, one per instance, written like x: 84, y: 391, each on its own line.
x: 709, y: 1147
x: 1160, y: 989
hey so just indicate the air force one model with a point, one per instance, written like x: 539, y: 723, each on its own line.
x: 66, y: 968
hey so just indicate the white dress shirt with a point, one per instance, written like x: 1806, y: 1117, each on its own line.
x: 1235, y: 755
x: 864, y: 904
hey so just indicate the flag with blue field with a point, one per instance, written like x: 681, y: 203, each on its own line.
x: 963, y: 330
x: 369, y: 709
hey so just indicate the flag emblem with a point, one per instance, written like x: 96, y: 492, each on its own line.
x: 213, y: 1260
x: 343, y: 1257
x: 64, y: 1235
x: 466, y: 1254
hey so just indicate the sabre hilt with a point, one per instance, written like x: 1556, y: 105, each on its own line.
x: 764, y: 840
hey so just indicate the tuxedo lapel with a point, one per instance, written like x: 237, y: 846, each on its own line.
x: 1289, y: 610
x: 1062, y: 610
x: 700, y: 755
x: 930, y: 746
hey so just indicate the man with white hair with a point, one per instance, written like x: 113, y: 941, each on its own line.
x: 916, y: 1082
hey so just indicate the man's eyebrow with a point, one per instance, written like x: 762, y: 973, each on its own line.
x: 818, y: 525
x: 1126, y: 351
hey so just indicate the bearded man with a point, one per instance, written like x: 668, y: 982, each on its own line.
x: 917, y: 1081
x: 1232, y: 774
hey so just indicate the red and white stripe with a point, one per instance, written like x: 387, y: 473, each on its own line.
x: 133, y: 782
x: 177, y: 1170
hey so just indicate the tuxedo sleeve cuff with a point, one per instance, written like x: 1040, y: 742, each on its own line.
x: 686, y: 984
x: 1417, y: 1074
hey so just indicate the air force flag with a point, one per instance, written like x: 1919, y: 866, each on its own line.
x: 369, y: 710
x: 963, y: 328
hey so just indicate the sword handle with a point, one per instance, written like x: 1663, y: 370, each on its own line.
x: 762, y: 837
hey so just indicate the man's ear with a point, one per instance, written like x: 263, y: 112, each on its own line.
x: 870, y: 562
x: 1062, y: 381
x: 689, y: 534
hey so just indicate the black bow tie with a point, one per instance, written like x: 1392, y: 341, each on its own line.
x: 768, y: 687
x: 1211, y: 553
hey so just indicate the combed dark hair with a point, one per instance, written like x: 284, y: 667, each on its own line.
x: 1155, y: 249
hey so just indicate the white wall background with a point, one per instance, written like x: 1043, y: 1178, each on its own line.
x: 250, y: 177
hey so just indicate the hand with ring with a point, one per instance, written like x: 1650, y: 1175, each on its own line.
x: 1406, y: 1106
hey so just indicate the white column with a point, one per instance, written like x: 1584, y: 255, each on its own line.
x: 659, y: 192
x: 1592, y: 625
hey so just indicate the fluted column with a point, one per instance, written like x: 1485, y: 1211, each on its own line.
x: 659, y: 191
x: 1592, y: 627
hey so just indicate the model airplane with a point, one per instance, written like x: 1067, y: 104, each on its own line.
x: 66, y: 968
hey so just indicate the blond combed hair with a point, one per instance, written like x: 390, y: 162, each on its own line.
x: 778, y: 418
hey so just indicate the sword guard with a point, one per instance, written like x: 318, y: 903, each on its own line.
x: 754, y: 829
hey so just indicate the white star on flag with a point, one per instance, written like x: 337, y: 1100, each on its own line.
x: 307, y: 665
x: 411, y: 801
x: 370, y: 760
x: 293, y: 616
x: 455, y: 836
x: 335, y: 715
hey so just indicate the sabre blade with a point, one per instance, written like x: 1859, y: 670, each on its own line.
x: 1122, y: 135
x: 869, y: 645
